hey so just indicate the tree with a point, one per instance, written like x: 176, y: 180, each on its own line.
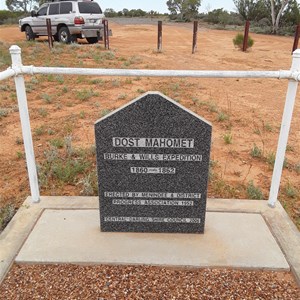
x: 291, y: 15
x: 110, y: 13
x: 279, y: 9
x: 7, y: 16
x: 278, y: 12
x: 21, y: 5
x: 42, y: 2
x: 125, y: 12
x: 184, y: 9
x: 217, y: 16
x: 252, y: 10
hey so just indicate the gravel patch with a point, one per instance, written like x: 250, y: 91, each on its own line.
x: 143, y: 282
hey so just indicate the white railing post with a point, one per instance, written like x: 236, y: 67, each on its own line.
x: 284, y: 131
x: 15, y: 52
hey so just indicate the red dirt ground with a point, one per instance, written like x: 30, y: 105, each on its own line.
x: 254, y: 106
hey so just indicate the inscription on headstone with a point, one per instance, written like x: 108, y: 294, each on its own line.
x: 152, y: 161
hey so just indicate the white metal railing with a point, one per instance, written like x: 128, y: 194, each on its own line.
x: 18, y: 70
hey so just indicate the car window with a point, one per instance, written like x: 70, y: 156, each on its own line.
x: 65, y: 8
x: 42, y: 11
x: 89, y: 8
x: 54, y: 9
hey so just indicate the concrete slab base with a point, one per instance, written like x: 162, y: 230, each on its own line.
x: 236, y: 240
x: 239, y: 233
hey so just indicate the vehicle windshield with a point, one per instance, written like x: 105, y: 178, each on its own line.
x: 43, y: 10
x: 89, y: 8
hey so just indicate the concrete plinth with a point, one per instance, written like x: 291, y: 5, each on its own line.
x: 238, y: 234
x: 231, y: 240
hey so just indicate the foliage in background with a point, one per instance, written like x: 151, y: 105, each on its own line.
x: 275, y: 14
x: 266, y: 16
x: 221, y: 16
x: 10, y: 17
x: 111, y: 13
x: 24, y: 5
x: 21, y: 5
x: 252, y: 10
x: 183, y: 10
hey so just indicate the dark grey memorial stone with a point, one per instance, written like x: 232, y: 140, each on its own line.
x: 152, y: 161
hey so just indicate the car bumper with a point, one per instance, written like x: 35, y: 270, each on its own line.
x: 89, y: 31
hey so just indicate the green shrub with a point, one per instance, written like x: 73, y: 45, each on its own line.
x: 57, y: 143
x: 6, y: 214
x: 39, y: 130
x: 89, y: 184
x: 20, y: 155
x: 290, y: 190
x: 63, y: 166
x: 222, y: 117
x: 43, y: 112
x: 239, y: 40
x: 271, y: 157
x: 256, y: 151
x: 254, y: 192
x: 227, y: 137
x: 47, y: 98
x: 66, y: 171
x: 3, y: 113
x: 104, y: 112
x: 85, y: 94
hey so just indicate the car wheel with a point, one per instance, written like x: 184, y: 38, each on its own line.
x: 92, y: 40
x: 29, y: 33
x: 64, y: 35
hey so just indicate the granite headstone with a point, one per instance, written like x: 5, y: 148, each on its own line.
x: 152, y: 160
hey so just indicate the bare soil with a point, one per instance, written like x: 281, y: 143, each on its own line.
x: 250, y: 110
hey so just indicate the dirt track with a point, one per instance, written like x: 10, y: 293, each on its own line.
x: 254, y: 106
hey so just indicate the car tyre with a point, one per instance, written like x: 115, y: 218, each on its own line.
x: 92, y: 40
x: 64, y: 35
x: 29, y: 33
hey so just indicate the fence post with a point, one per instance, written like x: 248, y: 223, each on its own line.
x: 246, y: 35
x: 49, y: 31
x: 106, y: 34
x: 284, y: 131
x: 296, y: 40
x: 195, y: 34
x: 15, y: 52
x: 159, y: 36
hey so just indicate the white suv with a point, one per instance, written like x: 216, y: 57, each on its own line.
x: 70, y: 19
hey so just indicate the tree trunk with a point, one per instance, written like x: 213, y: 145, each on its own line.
x: 273, y: 15
x: 283, y: 5
x: 276, y: 20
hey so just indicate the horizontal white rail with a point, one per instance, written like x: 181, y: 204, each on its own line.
x: 160, y: 73
x: 7, y: 73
